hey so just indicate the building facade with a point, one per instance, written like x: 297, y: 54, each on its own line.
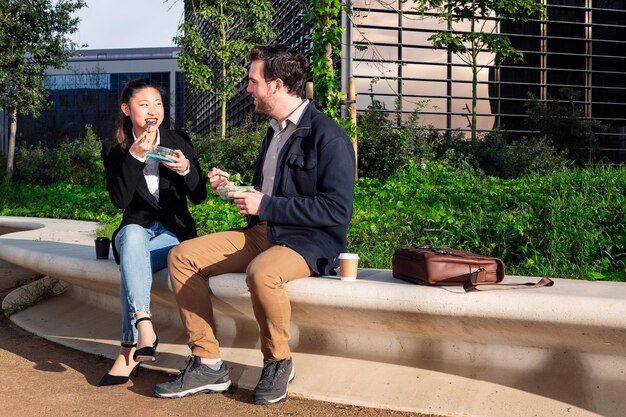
x: 581, y: 46
x: 86, y: 93
x: 576, y: 56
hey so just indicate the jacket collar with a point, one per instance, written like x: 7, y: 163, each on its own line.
x: 304, y: 126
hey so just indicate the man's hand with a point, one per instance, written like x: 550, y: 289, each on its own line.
x: 218, y: 178
x: 248, y: 203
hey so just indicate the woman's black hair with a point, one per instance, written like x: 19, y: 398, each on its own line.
x: 123, y: 125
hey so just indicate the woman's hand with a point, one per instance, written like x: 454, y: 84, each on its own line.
x: 180, y: 164
x: 142, y: 145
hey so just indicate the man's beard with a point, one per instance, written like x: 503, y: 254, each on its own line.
x: 263, y: 107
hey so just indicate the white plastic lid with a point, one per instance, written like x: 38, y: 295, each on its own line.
x: 348, y: 256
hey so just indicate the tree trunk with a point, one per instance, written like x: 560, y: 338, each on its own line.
x: 475, y: 50
x: 352, y: 101
x: 223, y: 123
x: 329, y: 55
x: 11, y: 150
x: 222, y: 31
x: 474, y: 100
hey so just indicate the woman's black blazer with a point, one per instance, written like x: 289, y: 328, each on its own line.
x: 128, y: 189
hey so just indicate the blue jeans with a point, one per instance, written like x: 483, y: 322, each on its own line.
x: 142, y: 252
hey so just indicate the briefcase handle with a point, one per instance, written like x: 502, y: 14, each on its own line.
x: 470, y: 285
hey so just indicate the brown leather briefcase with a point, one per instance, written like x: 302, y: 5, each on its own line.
x: 428, y: 265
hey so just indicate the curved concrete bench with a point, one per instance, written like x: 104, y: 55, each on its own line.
x: 375, y: 342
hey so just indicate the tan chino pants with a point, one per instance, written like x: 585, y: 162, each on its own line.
x: 268, y: 268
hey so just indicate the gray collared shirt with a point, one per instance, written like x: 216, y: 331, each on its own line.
x: 282, y: 133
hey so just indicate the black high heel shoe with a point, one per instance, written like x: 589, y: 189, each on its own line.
x: 147, y: 352
x: 109, y: 379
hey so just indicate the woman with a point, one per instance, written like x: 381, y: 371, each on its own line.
x: 153, y: 193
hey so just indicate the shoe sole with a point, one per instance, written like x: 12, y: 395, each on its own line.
x: 282, y: 398
x: 206, y: 389
x: 143, y: 358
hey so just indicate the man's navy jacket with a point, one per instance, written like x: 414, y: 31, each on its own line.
x: 311, y: 204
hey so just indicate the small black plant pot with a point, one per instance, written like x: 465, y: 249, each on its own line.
x: 102, y: 247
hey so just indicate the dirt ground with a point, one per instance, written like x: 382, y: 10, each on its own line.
x: 40, y: 378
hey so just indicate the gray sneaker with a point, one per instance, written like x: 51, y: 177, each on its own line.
x: 272, y: 387
x: 193, y: 379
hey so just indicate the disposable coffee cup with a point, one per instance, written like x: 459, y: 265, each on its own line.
x: 348, y: 266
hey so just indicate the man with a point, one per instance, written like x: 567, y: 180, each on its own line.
x: 297, y: 225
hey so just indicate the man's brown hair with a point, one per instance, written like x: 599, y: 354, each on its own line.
x: 284, y: 62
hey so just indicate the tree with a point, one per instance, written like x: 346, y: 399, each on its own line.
x: 327, y: 37
x: 467, y: 45
x: 326, y: 34
x: 32, y: 38
x: 235, y: 26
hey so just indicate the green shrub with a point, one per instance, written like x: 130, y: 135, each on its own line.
x: 568, y: 224
x: 3, y: 167
x: 236, y: 153
x: 418, y: 140
x: 58, y: 200
x: 498, y: 157
x: 76, y: 162
x: 562, y: 120
x: 384, y: 149
x: 215, y: 215
x: 494, y: 155
x: 379, y: 144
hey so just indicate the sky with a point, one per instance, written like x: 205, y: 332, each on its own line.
x: 128, y: 23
